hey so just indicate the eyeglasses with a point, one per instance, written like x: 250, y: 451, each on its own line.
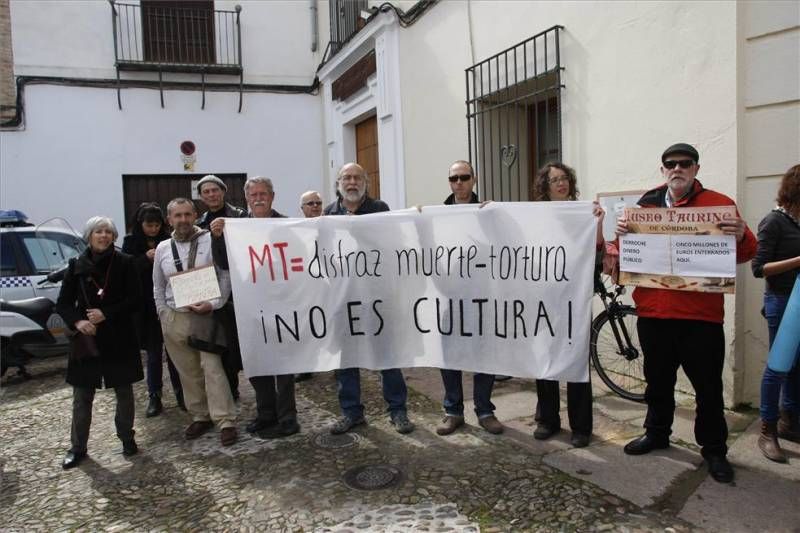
x: 313, y: 204
x: 460, y: 177
x: 683, y: 163
x: 558, y: 179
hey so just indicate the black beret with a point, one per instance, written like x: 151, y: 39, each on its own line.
x: 683, y: 149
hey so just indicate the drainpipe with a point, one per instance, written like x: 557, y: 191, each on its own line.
x: 312, y: 5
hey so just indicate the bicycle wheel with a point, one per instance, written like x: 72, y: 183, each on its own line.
x: 619, y: 364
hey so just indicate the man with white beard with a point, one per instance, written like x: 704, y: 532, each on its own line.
x: 353, y: 200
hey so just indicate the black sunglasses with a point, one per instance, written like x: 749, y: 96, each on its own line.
x: 313, y: 204
x: 683, y: 163
x: 462, y: 177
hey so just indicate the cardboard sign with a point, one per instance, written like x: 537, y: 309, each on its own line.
x: 194, y: 286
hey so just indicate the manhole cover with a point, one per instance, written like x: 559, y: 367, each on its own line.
x: 345, y: 440
x: 372, y: 477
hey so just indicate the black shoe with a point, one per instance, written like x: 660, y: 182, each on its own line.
x: 72, y: 459
x: 544, y: 432
x: 154, y: 406
x: 179, y: 399
x: 302, y: 377
x: 280, y: 430
x: 719, y: 468
x: 580, y: 440
x: 645, y: 444
x: 260, y: 425
x: 345, y: 424
x: 129, y: 448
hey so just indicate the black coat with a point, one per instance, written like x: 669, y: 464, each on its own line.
x: 120, y: 362
x: 147, y: 325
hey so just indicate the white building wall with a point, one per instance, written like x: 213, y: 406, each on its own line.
x: 75, y: 38
x: 769, y: 111
x: 638, y: 77
x: 76, y: 146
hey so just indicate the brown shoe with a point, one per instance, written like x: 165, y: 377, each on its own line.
x: 768, y: 443
x: 789, y: 426
x: 491, y: 424
x: 228, y: 436
x: 197, y: 429
x: 449, y: 424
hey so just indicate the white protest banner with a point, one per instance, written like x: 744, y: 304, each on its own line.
x: 503, y: 290
x: 195, y: 285
x: 679, y: 248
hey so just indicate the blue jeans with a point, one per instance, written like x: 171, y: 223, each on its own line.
x: 773, y: 382
x: 155, y: 372
x: 482, y: 385
x: 348, y: 381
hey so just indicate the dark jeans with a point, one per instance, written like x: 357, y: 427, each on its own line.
x: 155, y: 372
x: 82, y: 399
x: 699, y: 348
x: 348, y: 381
x: 275, y: 399
x: 773, y: 383
x: 482, y: 385
x: 579, y: 405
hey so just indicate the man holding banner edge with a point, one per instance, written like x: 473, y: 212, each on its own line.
x: 353, y: 200
x: 461, y: 177
x: 276, y: 407
x: 680, y: 328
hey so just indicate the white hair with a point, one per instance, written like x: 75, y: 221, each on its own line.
x: 258, y: 179
x: 96, y: 223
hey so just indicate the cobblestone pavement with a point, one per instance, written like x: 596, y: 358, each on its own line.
x: 468, y: 481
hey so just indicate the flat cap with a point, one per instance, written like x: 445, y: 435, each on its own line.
x: 682, y: 149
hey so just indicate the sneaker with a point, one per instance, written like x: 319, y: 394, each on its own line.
x: 580, y: 440
x: 228, y: 436
x: 491, y: 424
x: 129, y: 448
x: 449, y: 424
x: 280, y: 430
x: 345, y: 424
x: 401, y: 423
x: 197, y: 429
x: 544, y: 432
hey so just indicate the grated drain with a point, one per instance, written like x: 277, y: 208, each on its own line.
x: 372, y: 477
x: 334, y: 442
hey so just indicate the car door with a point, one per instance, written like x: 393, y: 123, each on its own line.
x: 15, y: 282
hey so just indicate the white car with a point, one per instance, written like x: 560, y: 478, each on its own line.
x: 27, y: 255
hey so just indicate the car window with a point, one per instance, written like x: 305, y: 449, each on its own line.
x: 49, y: 251
x: 8, y: 261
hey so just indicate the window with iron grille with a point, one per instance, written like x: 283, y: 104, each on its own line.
x: 178, y: 31
x: 514, y: 116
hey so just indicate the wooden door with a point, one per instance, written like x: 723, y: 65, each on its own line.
x: 161, y: 188
x: 367, y: 154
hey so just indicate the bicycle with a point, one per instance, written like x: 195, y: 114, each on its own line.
x: 614, y: 345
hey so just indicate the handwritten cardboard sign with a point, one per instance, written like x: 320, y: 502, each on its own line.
x: 503, y: 290
x: 680, y: 249
x: 194, y: 286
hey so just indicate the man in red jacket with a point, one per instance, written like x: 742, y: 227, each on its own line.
x: 684, y: 329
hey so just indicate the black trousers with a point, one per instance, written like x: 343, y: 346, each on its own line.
x: 232, y: 359
x: 82, y: 399
x: 699, y: 348
x: 275, y: 399
x: 579, y: 405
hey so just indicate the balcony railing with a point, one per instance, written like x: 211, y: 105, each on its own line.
x: 187, y: 36
x: 346, y: 20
